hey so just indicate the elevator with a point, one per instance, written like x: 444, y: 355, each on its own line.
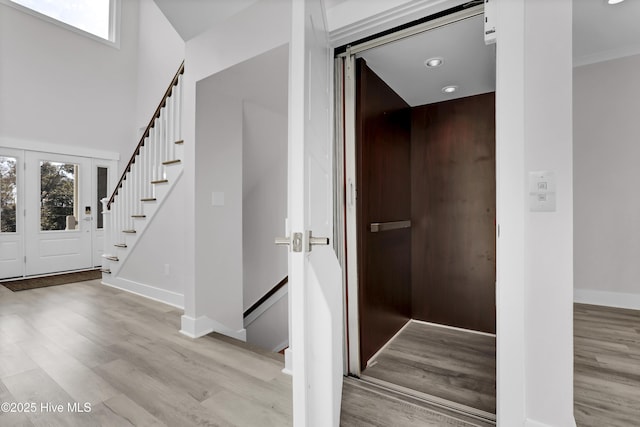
x: 420, y: 213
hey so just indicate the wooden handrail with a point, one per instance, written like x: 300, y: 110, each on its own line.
x: 266, y: 296
x: 145, y: 134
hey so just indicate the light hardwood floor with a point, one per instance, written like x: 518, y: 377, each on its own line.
x: 444, y: 363
x: 366, y: 404
x: 123, y: 355
x: 606, y: 366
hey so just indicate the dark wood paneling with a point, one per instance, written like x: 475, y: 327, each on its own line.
x: 383, y: 138
x: 453, y: 212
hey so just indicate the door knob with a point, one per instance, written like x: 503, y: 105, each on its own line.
x: 312, y: 241
x: 295, y: 242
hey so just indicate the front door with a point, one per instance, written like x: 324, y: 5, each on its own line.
x: 58, y: 217
x: 314, y: 273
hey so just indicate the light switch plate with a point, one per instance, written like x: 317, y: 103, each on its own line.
x: 542, y: 191
x: 217, y: 198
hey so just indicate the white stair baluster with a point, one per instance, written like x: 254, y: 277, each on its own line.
x: 172, y: 124
x: 148, y: 166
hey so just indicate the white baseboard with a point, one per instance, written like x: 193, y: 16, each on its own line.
x: 203, y: 325
x: 288, y: 362
x: 282, y: 292
x: 284, y: 344
x: 609, y: 299
x: 532, y: 423
x: 162, y: 295
x: 453, y: 328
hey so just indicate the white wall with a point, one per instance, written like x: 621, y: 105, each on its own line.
x: 270, y: 331
x: 606, y: 102
x: 155, y: 267
x: 61, y: 87
x: 264, y: 210
x: 265, y: 200
x: 258, y: 29
x: 160, y: 52
x: 219, y: 228
x: 548, y: 237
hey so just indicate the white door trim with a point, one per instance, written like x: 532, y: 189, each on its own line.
x: 47, y: 147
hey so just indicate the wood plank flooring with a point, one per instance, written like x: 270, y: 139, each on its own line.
x: 448, y: 364
x: 606, y: 366
x: 123, y: 355
x: 365, y: 404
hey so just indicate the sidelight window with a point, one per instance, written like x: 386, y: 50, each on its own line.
x: 102, y: 179
x: 8, y: 194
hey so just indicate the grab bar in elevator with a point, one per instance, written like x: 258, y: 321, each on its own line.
x: 386, y: 226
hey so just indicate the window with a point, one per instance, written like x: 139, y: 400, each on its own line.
x: 95, y: 17
x: 58, y: 196
x: 8, y: 194
x: 103, y: 174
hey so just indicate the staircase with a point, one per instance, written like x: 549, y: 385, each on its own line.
x: 153, y: 170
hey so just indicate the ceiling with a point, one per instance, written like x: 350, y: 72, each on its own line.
x: 193, y: 17
x: 600, y: 32
x: 468, y: 63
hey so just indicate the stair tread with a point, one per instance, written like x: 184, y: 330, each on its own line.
x: 105, y: 270
x: 171, y: 162
x: 129, y: 231
x: 120, y: 245
x: 180, y: 141
x: 159, y: 181
x: 148, y: 199
x: 138, y: 216
x: 112, y: 258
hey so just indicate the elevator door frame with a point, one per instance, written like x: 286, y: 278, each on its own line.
x: 346, y: 151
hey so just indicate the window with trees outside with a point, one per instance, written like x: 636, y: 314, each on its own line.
x: 92, y: 16
x: 58, y: 196
x: 8, y: 194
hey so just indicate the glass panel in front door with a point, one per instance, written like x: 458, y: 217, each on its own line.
x: 58, y: 196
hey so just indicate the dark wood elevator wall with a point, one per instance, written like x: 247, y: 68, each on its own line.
x: 453, y: 212
x: 383, y: 150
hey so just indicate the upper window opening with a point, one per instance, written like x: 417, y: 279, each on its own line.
x: 92, y: 16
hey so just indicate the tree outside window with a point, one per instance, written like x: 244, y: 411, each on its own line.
x: 58, y: 191
x: 8, y: 194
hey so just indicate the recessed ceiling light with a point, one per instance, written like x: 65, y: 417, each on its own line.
x: 450, y: 89
x: 434, y: 62
x: 614, y: 1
